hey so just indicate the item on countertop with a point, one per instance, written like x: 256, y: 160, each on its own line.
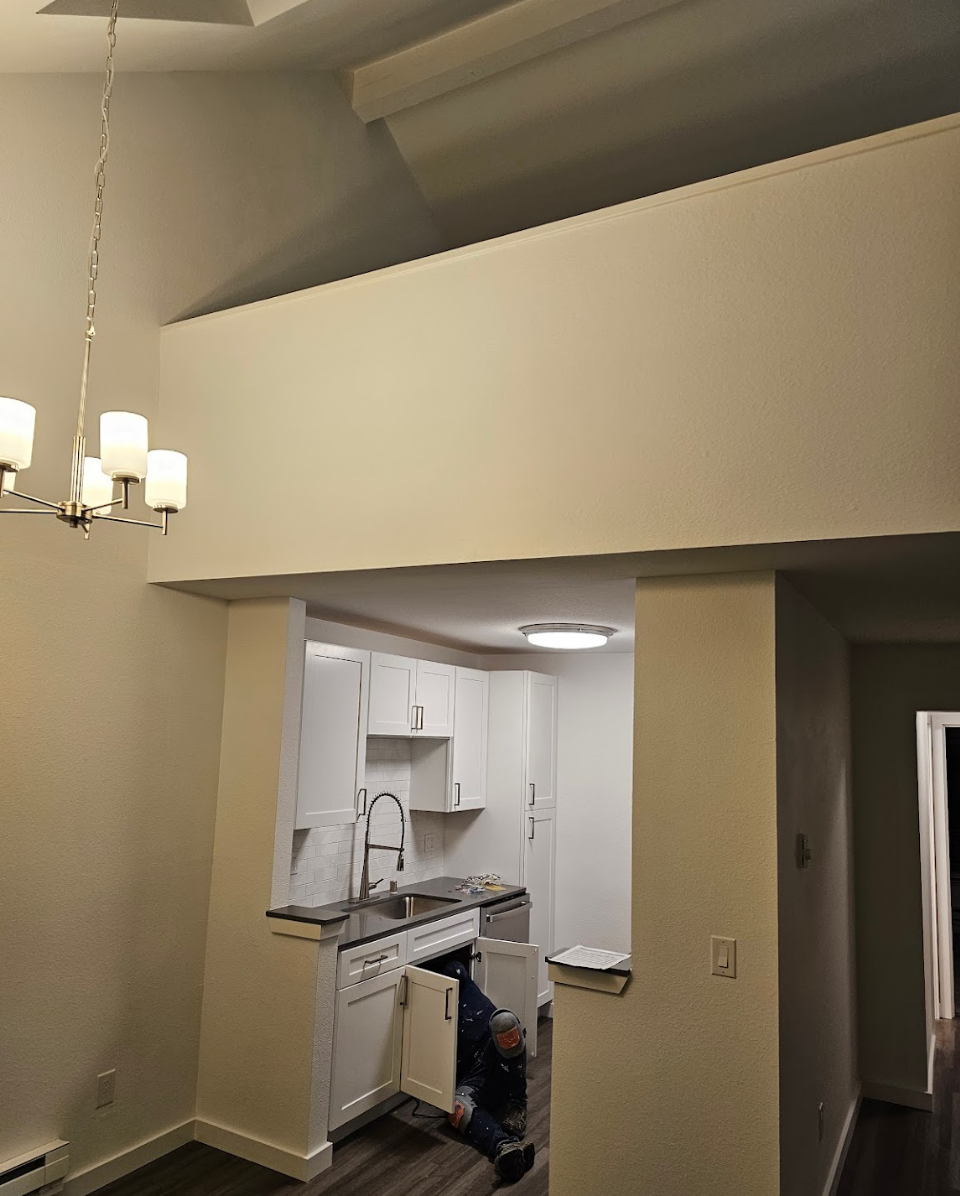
x: 490, y: 883
x: 588, y: 957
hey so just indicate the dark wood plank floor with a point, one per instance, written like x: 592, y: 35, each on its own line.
x: 904, y: 1152
x: 398, y: 1155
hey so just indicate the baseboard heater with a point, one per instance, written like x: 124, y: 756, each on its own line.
x: 41, y: 1170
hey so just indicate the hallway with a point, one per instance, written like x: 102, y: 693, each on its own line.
x: 905, y: 1152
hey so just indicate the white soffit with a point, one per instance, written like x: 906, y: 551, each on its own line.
x: 204, y: 12
x: 207, y: 12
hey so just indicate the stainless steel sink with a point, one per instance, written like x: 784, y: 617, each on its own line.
x: 400, y: 906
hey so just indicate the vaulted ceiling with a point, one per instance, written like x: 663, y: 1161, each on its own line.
x: 513, y: 114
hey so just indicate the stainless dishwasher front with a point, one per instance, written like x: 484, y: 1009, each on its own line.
x: 508, y: 919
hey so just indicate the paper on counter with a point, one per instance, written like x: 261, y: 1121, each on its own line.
x: 589, y: 957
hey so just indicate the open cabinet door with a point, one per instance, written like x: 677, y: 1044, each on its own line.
x: 508, y: 973
x: 428, y: 1066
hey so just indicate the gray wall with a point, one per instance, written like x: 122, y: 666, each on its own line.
x: 816, y: 915
x: 891, y: 683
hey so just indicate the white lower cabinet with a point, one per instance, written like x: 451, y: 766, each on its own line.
x: 539, y: 878
x: 397, y: 1031
x: 368, y: 1038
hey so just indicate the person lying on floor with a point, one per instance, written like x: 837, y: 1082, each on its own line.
x: 490, y: 1106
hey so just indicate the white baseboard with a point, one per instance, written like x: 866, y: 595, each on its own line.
x: 843, y: 1146
x: 128, y: 1160
x: 931, y: 1059
x: 277, y: 1158
x: 911, y: 1098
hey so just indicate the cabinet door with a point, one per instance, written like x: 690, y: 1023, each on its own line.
x: 539, y: 876
x: 470, y: 740
x: 367, y: 1043
x: 428, y: 1068
x: 509, y: 974
x: 436, y: 684
x: 541, y: 741
x: 393, y: 690
x: 333, y: 735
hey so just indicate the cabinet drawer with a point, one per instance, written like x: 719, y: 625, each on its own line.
x: 436, y: 938
x: 371, y: 959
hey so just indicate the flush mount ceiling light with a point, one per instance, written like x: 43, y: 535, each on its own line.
x: 567, y: 635
x: 125, y: 459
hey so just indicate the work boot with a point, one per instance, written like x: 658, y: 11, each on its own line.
x: 513, y: 1161
x: 514, y: 1120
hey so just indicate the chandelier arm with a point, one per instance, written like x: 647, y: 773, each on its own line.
x: 54, y: 506
x: 135, y: 522
x: 24, y: 511
x: 93, y: 260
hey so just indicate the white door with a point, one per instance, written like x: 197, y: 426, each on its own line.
x: 333, y: 731
x: 509, y: 974
x: 428, y: 1068
x: 541, y: 745
x: 436, y: 684
x: 539, y: 876
x: 367, y: 1046
x: 470, y: 740
x: 393, y: 689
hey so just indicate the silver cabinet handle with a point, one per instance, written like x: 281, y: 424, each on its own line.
x: 420, y: 721
x: 404, y: 984
x: 533, y: 830
x: 456, y: 789
x: 417, y: 718
x: 361, y: 813
x: 533, y: 793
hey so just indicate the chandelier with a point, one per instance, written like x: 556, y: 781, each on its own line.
x: 97, y: 484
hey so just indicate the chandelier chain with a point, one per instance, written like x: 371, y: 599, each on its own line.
x: 93, y: 259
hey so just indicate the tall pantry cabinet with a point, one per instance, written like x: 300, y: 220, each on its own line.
x: 516, y: 834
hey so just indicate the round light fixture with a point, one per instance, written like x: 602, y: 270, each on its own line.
x: 567, y: 635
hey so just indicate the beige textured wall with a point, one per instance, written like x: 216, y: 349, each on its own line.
x: 759, y: 358
x: 890, y: 684
x: 111, y: 701
x: 260, y: 989
x: 673, y: 1087
x: 816, y: 913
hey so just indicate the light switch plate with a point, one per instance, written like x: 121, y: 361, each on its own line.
x: 723, y: 957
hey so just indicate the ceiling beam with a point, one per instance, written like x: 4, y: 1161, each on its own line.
x: 483, y: 47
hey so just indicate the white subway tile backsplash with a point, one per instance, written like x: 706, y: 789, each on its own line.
x: 327, y: 861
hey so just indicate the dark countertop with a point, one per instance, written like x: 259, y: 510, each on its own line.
x: 365, y: 925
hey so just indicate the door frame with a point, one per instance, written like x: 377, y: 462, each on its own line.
x: 935, y: 853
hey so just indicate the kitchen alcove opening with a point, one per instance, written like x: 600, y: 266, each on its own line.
x: 511, y: 764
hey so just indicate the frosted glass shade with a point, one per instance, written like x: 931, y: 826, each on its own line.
x: 17, y: 422
x: 166, y: 488
x: 123, y: 444
x: 567, y: 635
x: 97, y: 486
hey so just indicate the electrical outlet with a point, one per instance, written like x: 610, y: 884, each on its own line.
x: 429, y: 843
x: 106, y: 1083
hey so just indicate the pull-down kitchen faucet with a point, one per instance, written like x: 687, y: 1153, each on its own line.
x: 365, y: 885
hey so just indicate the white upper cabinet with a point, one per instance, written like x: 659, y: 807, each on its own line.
x: 333, y: 730
x: 436, y: 689
x: 412, y: 698
x: 470, y: 740
x: 540, y: 692
x: 393, y: 694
